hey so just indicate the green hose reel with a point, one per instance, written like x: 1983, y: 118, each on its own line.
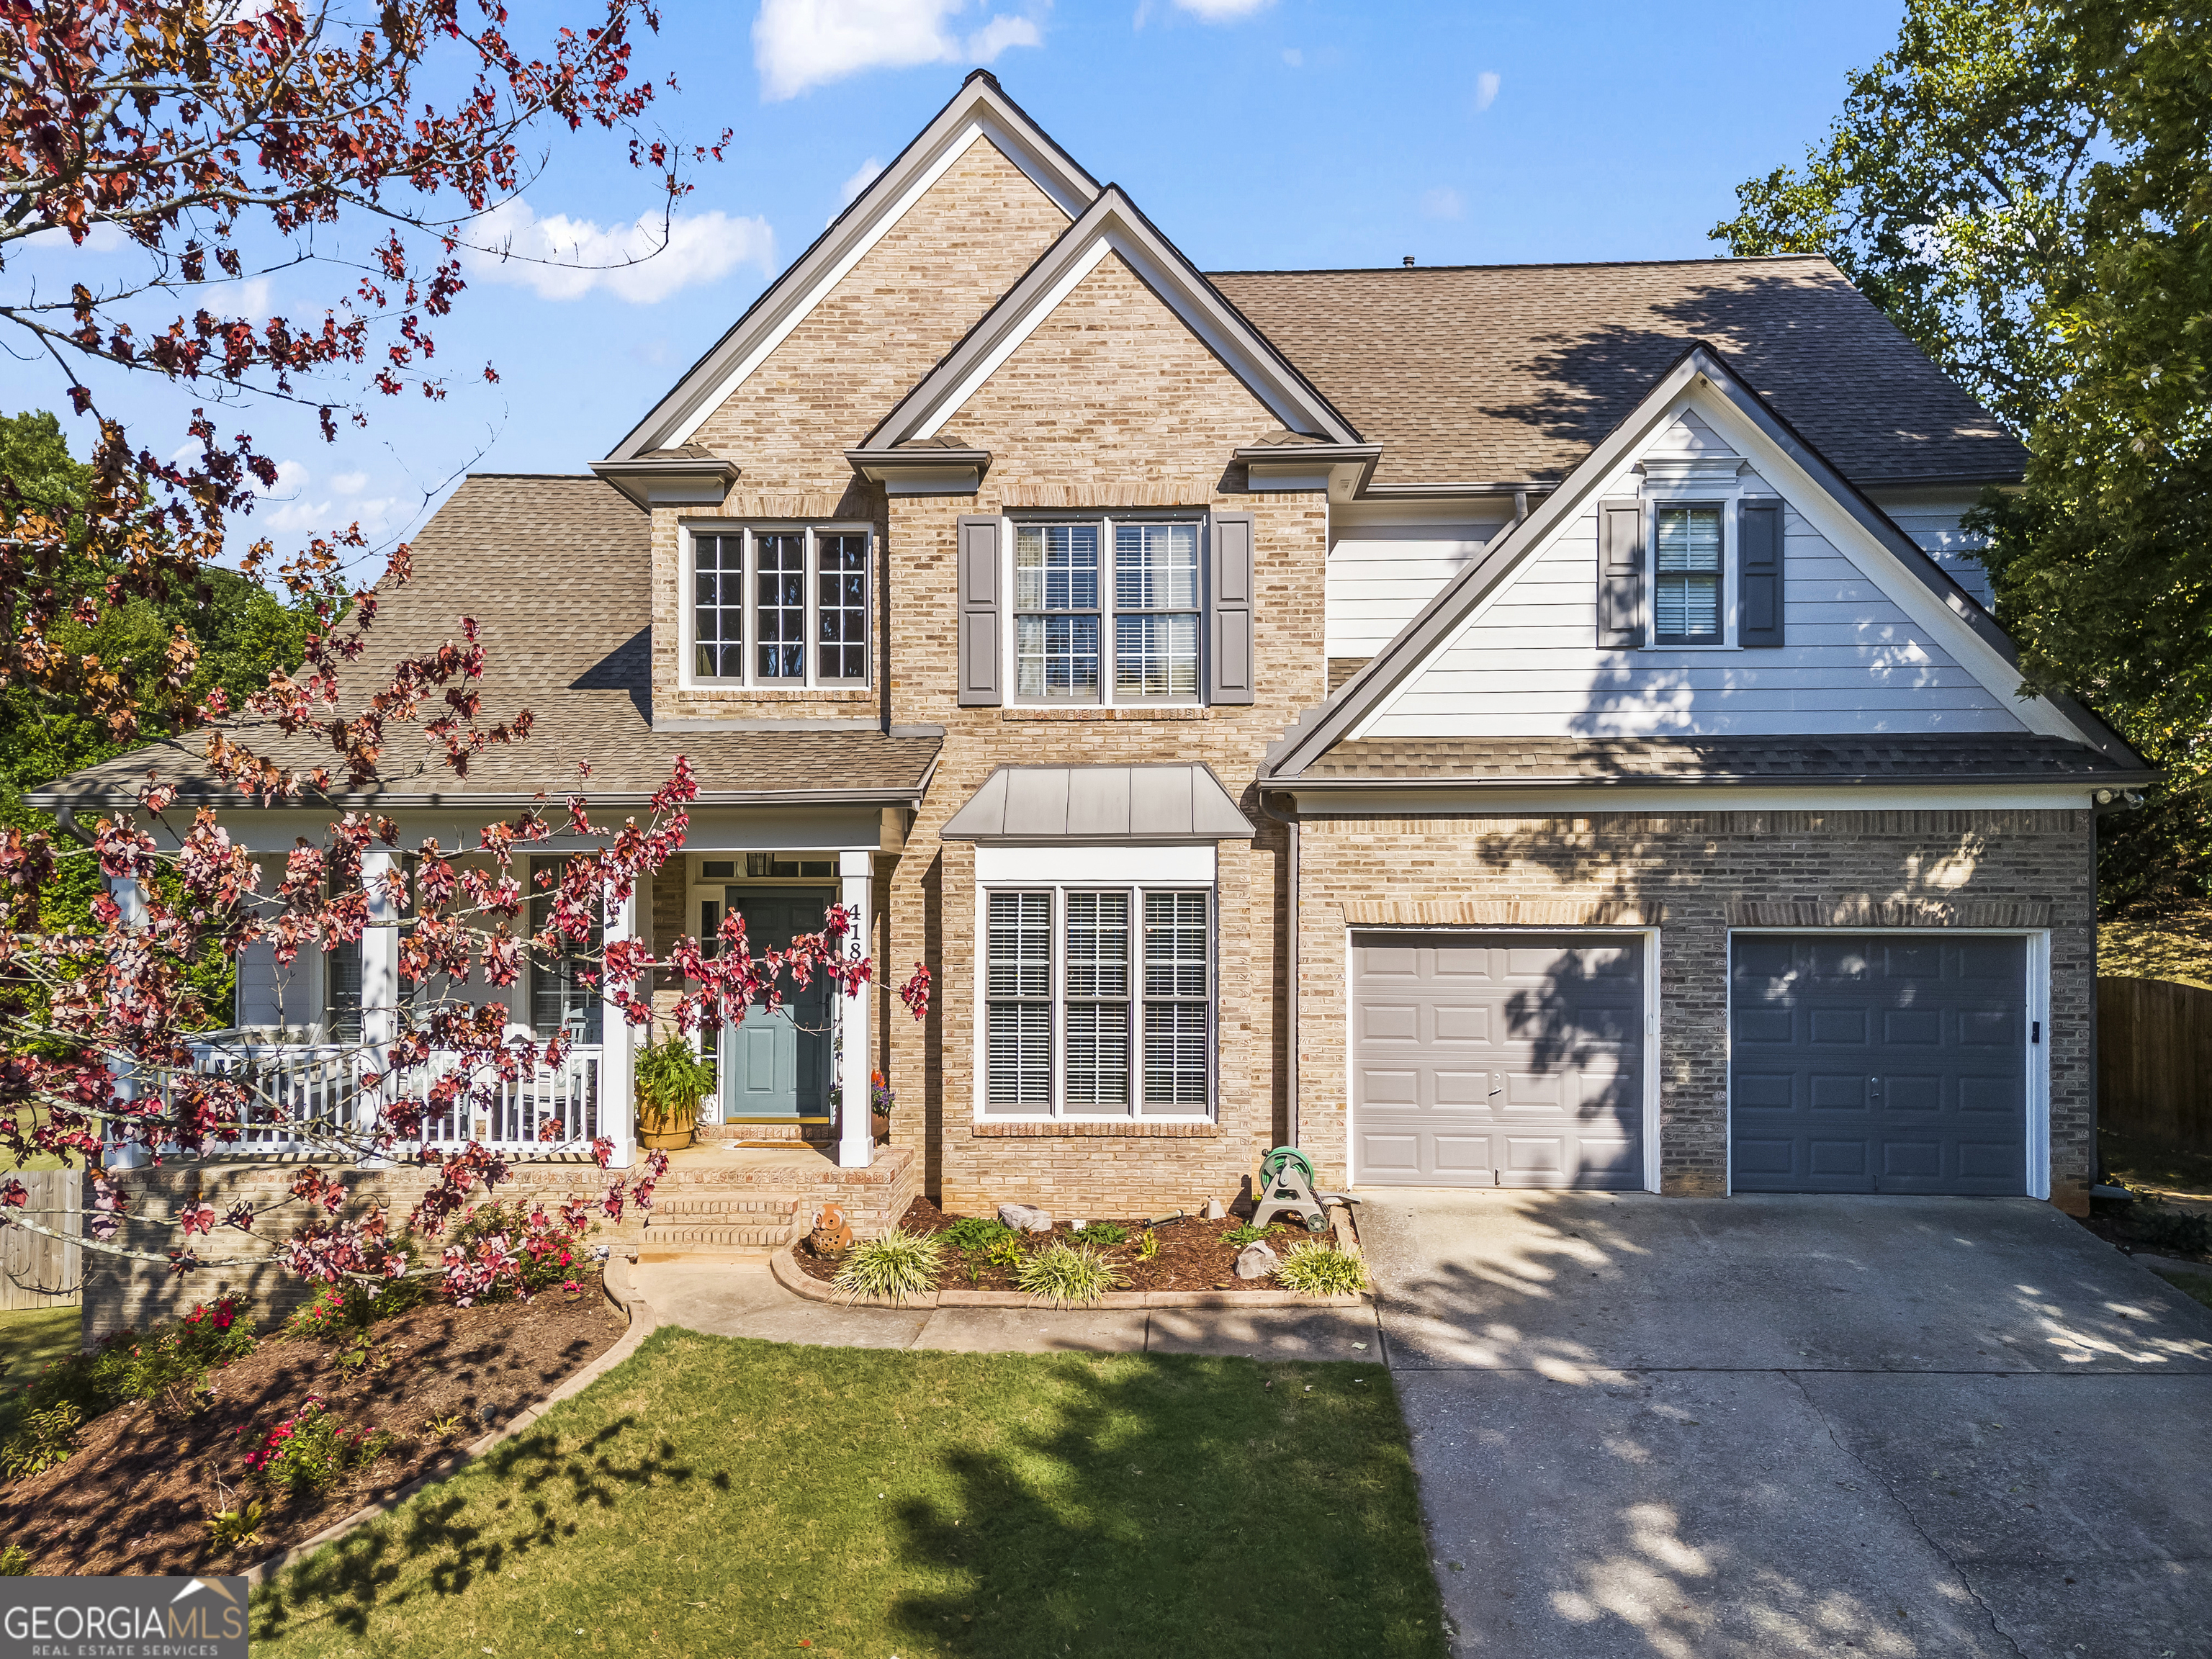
x: 1286, y: 1187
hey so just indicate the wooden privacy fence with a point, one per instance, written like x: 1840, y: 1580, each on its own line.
x: 36, y: 1271
x: 2155, y: 1061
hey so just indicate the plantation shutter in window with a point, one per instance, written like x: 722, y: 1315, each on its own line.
x: 980, y: 652
x: 1229, y: 674
x: 1619, y: 575
x: 1758, y: 551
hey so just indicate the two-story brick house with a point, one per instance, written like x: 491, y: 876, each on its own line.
x: 1523, y: 725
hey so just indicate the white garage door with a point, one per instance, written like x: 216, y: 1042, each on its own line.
x: 1508, y: 1060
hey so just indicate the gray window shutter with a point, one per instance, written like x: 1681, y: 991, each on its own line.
x: 981, y: 654
x: 1759, y: 558
x: 1619, y: 575
x: 1229, y: 678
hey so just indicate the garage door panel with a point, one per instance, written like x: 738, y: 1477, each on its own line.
x: 1392, y: 1154
x: 1388, y: 1022
x: 1461, y: 1024
x: 1989, y: 1028
x: 1458, y: 1091
x: 1390, y: 1088
x: 1912, y: 1027
x: 1902, y: 1068
x: 1526, y: 1061
x: 1901, y: 1093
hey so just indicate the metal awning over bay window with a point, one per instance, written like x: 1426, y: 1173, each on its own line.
x: 1098, y: 935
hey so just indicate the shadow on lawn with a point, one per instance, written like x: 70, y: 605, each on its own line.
x: 351, y: 1579
x: 1201, y: 1501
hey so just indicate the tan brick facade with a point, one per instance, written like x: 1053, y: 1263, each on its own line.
x: 1694, y: 876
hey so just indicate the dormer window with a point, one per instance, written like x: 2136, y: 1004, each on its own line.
x: 780, y: 606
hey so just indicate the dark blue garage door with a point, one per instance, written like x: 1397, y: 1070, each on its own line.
x: 1863, y: 1063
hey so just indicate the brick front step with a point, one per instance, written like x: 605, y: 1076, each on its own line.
x: 662, y: 1239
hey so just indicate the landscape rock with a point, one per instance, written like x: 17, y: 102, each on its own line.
x: 1255, y: 1261
x: 1022, y: 1219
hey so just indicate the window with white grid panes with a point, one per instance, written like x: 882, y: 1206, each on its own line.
x: 1155, y: 612
x: 1685, y: 588
x: 1098, y: 1002
x: 1056, y: 612
x: 1126, y: 633
x: 1017, y: 987
x: 840, y: 608
x: 780, y: 607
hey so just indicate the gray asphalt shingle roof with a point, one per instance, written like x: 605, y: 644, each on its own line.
x: 557, y: 571
x: 1505, y: 374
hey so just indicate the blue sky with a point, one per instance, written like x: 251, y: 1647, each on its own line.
x: 1276, y: 134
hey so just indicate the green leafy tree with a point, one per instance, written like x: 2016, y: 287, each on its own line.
x: 241, y: 633
x: 2025, y: 190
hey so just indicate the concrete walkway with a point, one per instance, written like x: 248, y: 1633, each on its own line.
x: 1729, y: 1429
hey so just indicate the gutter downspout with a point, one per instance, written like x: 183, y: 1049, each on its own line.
x: 1291, y: 1046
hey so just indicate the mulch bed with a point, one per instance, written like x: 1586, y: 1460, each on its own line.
x: 136, y: 1495
x: 1192, y: 1254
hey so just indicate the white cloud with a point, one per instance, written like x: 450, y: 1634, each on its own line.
x: 102, y: 238
x: 349, y: 483
x: 1485, y: 88
x: 1293, y: 57
x: 798, y: 44
x: 1443, y: 203
x: 864, y: 175
x: 565, y: 259
x: 1223, y: 11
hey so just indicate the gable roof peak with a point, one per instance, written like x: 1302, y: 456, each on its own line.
x: 979, y: 109
x: 1112, y: 223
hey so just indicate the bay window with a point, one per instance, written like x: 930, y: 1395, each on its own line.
x: 1098, y: 1001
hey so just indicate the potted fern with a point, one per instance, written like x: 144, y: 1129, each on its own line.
x: 673, y: 1082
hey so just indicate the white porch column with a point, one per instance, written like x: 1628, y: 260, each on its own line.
x: 130, y: 899
x: 617, y: 1092
x: 380, y: 987
x: 856, y: 1134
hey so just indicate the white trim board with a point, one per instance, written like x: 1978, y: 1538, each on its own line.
x: 1170, y: 864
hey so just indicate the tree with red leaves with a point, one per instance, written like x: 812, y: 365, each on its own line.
x: 220, y: 139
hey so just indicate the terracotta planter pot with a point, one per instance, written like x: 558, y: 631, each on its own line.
x: 666, y: 1140
x: 882, y: 1124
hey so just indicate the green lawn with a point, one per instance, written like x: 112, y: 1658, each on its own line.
x: 716, y: 1497
x: 29, y: 1341
x: 2194, y: 1285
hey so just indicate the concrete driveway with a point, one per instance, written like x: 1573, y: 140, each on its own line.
x: 1762, y: 1427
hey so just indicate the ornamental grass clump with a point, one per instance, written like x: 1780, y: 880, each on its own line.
x: 899, y: 1264
x: 1069, y: 1275
x: 1320, y: 1269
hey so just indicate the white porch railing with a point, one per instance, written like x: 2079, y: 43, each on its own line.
x: 298, y: 1083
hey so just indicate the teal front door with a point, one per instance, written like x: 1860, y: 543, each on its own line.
x: 777, y: 1064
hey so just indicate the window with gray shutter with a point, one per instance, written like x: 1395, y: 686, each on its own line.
x: 1619, y: 575
x: 1686, y: 580
x: 1759, y: 575
x: 1230, y: 669
x: 980, y: 650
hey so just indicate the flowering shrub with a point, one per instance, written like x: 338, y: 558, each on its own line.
x: 499, y: 1251
x: 347, y: 1309
x: 311, y: 1452
x: 127, y: 1366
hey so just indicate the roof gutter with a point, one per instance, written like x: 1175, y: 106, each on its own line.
x: 2104, y: 783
